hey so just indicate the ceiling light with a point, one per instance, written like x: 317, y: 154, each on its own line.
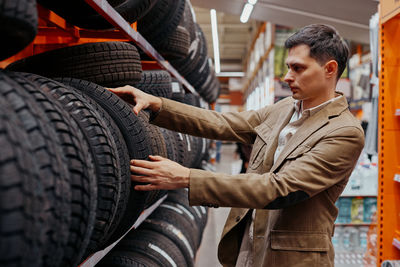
x: 246, y: 13
x: 252, y: 2
x: 231, y: 74
x: 214, y: 30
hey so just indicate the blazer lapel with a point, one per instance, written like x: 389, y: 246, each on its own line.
x: 311, y: 125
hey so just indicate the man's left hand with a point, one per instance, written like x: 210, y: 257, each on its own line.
x: 159, y: 173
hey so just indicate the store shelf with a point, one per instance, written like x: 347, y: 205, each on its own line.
x: 355, y: 224
x: 96, y: 257
x: 397, y: 177
x: 112, y: 16
x: 362, y: 196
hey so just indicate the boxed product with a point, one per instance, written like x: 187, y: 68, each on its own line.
x: 344, y: 206
x: 369, y: 208
x: 357, y: 210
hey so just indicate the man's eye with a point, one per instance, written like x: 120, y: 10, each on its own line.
x: 297, y: 68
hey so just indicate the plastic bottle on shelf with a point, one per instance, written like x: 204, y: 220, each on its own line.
x: 337, y: 239
x: 346, y: 239
x: 363, y: 232
x: 354, y: 239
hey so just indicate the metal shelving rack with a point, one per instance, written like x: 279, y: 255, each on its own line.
x: 54, y: 32
x: 389, y: 133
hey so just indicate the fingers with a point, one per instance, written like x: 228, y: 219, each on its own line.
x: 156, y: 158
x: 124, y: 89
x: 143, y: 163
x: 148, y: 187
x: 142, y: 171
x: 143, y: 179
x: 138, y: 107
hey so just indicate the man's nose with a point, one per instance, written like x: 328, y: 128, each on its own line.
x: 288, y: 77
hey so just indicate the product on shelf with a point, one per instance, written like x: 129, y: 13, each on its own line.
x: 369, y: 209
x: 357, y: 210
x: 344, y: 206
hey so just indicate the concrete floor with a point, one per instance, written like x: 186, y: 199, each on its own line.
x: 207, y: 253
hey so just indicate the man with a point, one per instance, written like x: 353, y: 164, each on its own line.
x: 305, y: 148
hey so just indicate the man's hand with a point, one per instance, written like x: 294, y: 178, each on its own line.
x: 160, y: 173
x: 138, y: 98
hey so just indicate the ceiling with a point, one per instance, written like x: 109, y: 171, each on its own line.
x: 234, y: 37
x: 349, y: 17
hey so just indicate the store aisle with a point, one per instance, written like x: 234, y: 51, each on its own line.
x: 207, y: 253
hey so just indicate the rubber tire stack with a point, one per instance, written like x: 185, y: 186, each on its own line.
x: 67, y: 140
x: 170, y: 236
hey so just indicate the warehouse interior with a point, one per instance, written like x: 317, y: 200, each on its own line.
x: 91, y: 89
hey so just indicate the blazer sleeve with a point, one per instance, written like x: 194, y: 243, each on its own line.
x: 328, y: 162
x: 229, y: 126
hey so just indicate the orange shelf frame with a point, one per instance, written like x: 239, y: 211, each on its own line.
x: 389, y: 141
x: 54, y: 32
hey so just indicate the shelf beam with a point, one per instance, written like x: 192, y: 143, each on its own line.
x: 96, y: 257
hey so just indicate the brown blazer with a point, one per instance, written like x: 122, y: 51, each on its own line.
x: 295, y: 197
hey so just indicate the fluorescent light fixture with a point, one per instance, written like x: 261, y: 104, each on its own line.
x: 231, y: 74
x: 214, y: 30
x: 252, y: 2
x: 246, y: 13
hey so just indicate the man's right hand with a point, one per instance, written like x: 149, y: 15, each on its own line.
x: 138, y: 98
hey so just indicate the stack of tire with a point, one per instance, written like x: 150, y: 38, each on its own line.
x: 66, y: 143
x: 170, y: 27
x: 169, y: 237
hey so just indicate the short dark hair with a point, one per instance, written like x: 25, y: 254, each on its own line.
x: 325, y: 44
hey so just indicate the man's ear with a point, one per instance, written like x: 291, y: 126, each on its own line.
x: 331, y: 68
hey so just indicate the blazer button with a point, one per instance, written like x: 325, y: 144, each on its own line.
x: 237, y: 218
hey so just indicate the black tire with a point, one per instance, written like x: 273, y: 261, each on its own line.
x: 161, y: 20
x: 170, y: 144
x: 175, y: 234
x: 157, y: 247
x: 182, y: 144
x: 109, y: 64
x: 118, y: 258
x: 197, y: 55
x: 156, y: 82
x: 81, y: 168
x: 188, y: 22
x: 181, y: 197
x: 19, y: 20
x: 79, y: 13
x: 155, y: 137
x: 102, y: 147
x: 49, y: 158
x: 195, y: 147
x: 178, y: 93
x: 23, y: 221
x: 122, y: 182
x: 176, y: 45
x: 179, y: 216
x: 213, y: 91
x: 158, y: 147
x: 200, y: 74
x: 202, y: 147
x: 129, y: 124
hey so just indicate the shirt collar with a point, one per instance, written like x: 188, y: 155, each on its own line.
x: 311, y: 111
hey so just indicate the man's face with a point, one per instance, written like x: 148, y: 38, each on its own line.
x: 305, y: 77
